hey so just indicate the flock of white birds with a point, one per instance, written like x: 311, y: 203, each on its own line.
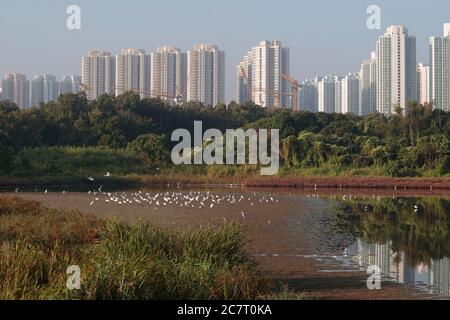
x: 192, y: 199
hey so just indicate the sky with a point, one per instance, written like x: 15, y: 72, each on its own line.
x: 324, y: 35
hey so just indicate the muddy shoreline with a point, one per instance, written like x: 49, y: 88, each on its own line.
x: 381, y: 183
x: 439, y: 186
x: 282, y: 237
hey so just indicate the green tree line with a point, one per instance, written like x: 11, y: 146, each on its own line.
x: 401, y: 144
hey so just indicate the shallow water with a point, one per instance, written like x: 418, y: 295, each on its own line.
x: 301, y: 235
x: 408, y: 238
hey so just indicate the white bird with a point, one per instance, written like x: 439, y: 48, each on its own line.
x: 90, y: 178
x: 16, y: 190
x: 107, y: 174
x: 243, y: 214
x: 92, y: 203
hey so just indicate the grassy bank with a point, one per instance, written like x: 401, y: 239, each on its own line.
x: 70, y: 167
x: 119, y: 261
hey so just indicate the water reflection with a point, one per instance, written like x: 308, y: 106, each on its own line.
x: 408, y: 238
x: 433, y: 278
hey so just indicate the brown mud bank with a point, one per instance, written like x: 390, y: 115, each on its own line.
x: 307, y: 182
x: 401, y: 186
x: 385, y: 183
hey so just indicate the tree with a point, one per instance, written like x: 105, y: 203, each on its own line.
x: 7, y: 153
x: 151, y: 147
x: 289, y: 151
x: 432, y: 152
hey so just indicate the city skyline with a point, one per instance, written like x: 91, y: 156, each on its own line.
x: 335, y: 31
x: 392, y: 75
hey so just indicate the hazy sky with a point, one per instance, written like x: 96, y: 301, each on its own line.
x: 324, y: 35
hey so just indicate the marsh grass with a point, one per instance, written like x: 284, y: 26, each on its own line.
x: 119, y: 261
x: 147, y: 262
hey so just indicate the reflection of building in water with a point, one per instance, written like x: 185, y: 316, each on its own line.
x: 407, y: 274
x: 440, y: 276
x: 396, y: 265
x: 372, y: 254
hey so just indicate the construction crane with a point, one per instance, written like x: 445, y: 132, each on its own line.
x: 277, y: 94
x: 295, y: 85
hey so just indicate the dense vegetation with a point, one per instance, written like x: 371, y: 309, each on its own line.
x: 127, y: 135
x: 119, y: 261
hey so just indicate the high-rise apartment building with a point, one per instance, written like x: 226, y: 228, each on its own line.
x: 132, y: 73
x: 169, y: 74
x: 44, y: 88
x: 98, y: 73
x: 440, y: 70
x: 70, y: 84
x: 260, y: 76
x: 423, y: 83
x: 368, y: 86
x: 244, y: 80
x: 327, y: 94
x: 16, y: 88
x: 349, y: 94
x: 396, y: 70
x: 338, y: 96
x: 206, y: 75
x: 309, y: 95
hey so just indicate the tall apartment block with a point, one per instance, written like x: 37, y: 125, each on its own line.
x: 260, y: 76
x: 44, y: 88
x: 309, y: 95
x: 338, y: 95
x: 440, y: 70
x: 396, y: 70
x: 169, y: 74
x: 132, y: 73
x: 206, y: 75
x: 98, y: 73
x: 16, y: 88
x: 70, y: 84
x: 368, y: 86
x: 350, y: 94
x: 423, y: 83
x: 327, y: 94
x: 244, y: 80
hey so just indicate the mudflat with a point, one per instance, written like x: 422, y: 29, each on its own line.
x: 286, y: 233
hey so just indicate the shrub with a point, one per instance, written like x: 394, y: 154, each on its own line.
x: 151, y: 147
